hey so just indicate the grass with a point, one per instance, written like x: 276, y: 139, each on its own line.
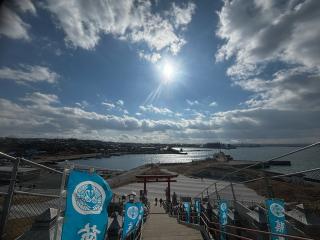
x: 308, y: 194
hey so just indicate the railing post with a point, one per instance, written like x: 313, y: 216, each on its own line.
x: 233, y: 194
x: 236, y: 220
x: 63, y: 194
x: 9, y: 196
x: 217, y: 194
x: 270, y: 192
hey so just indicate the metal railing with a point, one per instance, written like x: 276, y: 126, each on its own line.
x: 214, y: 229
x: 227, y: 175
x: 205, y: 220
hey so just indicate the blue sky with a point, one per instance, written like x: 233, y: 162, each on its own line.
x: 161, y: 71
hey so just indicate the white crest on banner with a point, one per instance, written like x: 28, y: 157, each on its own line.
x: 223, y: 206
x: 88, y: 198
x: 133, y: 212
x: 277, y: 210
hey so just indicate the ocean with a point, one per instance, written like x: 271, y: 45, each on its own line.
x: 300, y: 161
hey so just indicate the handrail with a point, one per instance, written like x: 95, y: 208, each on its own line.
x: 272, y: 177
x: 221, y: 231
x: 256, y: 230
x: 36, y: 194
x: 4, y: 155
x: 258, y: 163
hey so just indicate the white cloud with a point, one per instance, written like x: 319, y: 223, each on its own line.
x: 11, y: 25
x: 182, y: 15
x: 120, y: 103
x: 151, y: 57
x: 157, y: 110
x: 28, y: 73
x: 108, y: 105
x: 256, y: 32
x: 291, y: 89
x: 192, y: 103
x: 41, y: 98
x: 39, y: 115
x: 82, y: 104
x: 26, y: 6
x: 134, y: 21
x: 275, y: 49
x: 213, y: 104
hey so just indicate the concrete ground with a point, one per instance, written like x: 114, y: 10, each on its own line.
x: 187, y: 186
x: 160, y: 226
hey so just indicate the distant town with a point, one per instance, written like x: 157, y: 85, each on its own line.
x: 47, y: 150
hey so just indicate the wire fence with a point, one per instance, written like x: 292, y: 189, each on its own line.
x: 25, y: 208
x: 28, y: 190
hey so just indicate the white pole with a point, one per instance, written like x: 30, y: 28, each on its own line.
x: 63, y: 193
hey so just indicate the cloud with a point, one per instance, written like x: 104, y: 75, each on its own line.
x: 151, y: 57
x: 213, y: 104
x: 192, y: 103
x: 288, y: 89
x: 289, y: 42
x: 26, y: 6
x: 157, y: 110
x: 182, y: 15
x: 43, y: 115
x: 120, y: 103
x: 82, y: 104
x: 108, y: 105
x: 41, y: 98
x: 268, y: 125
x: 256, y: 33
x: 11, y: 25
x: 274, y: 51
x: 28, y: 73
x: 133, y: 21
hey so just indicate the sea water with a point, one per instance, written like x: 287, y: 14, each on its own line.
x: 300, y: 161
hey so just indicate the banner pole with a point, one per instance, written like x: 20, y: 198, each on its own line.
x: 61, y: 199
x: 141, y: 227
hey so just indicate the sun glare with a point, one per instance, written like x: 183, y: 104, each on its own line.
x: 168, y: 71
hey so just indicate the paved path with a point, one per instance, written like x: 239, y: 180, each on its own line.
x: 187, y: 186
x: 160, y: 226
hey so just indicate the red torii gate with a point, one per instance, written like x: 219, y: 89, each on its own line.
x: 156, y: 178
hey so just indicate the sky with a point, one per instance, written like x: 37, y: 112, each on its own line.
x: 161, y: 71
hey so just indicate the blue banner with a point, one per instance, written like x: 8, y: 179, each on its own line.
x: 86, y: 216
x: 276, y: 217
x: 197, y: 206
x: 132, y: 218
x: 186, y: 206
x: 223, y: 217
x: 140, y: 205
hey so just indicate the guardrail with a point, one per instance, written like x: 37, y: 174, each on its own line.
x: 215, y: 229
x: 206, y: 189
x: 206, y: 221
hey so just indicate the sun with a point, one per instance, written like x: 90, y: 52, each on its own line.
x: 168, y: 72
